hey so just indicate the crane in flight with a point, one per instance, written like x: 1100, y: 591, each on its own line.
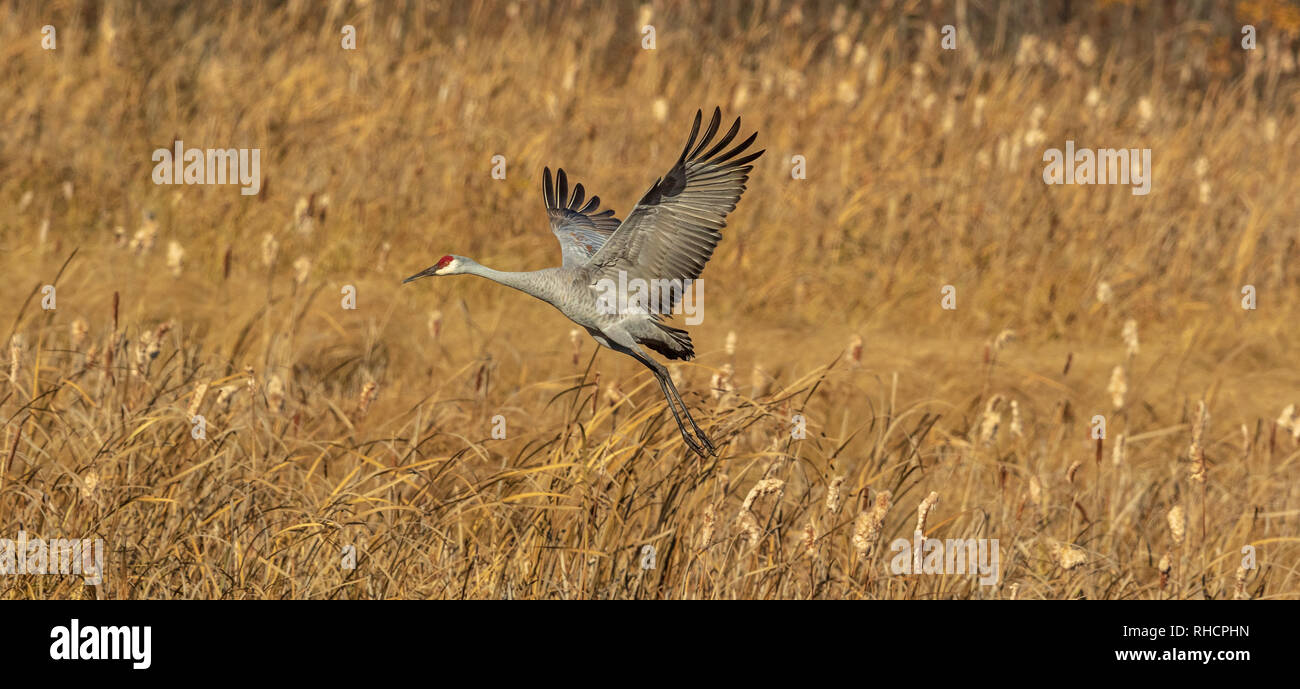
x: 666, y: 240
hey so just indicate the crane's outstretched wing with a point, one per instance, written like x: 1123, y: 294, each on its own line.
x: 673, y: 229
x: 581, y: 229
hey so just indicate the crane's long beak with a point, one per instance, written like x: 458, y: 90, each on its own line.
x: 424, y: 273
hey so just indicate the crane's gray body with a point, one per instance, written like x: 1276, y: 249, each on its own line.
x: 669, y: 236
x: 574, y: 293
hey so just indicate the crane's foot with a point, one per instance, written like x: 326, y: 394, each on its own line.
x: 697, y: 441
x: 704, y: 438
x: 695, y: 446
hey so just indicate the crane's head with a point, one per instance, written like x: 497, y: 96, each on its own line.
x: 447, y: 265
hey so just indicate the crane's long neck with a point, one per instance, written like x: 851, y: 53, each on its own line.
x: 528, y: 281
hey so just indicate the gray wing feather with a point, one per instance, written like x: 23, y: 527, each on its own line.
x: 581, y: 228
x: 674, y: 228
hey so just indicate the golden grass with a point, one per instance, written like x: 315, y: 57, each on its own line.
x: 373, y: 427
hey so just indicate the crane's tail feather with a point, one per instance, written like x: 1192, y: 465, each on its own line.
x: 675, y: 343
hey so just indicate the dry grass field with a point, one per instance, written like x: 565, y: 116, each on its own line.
x: 369, y: 431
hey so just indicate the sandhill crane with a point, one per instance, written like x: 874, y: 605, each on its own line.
x: 669, y: 235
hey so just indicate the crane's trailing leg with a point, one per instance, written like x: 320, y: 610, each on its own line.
x: 703, y: 446
x: 698, y: 431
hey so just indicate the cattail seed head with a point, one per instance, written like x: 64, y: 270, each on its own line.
x: 275, y: 394
x: 747, y: 523
x: 808, y: 546
x: 721, y: 384
x: 1036, y: 494
x: 1145, y: 112
x: 79, y: 330
x: 89, y: 483
x: 1287, y: 419
x: 991, y: 420
x: 767, y: 486
x: 977, y: 111
x: 301, y: 270
x: 369, y: 392
x: 140, y: 365
x: 922, y: 514
x: 846, y: 92
x: 1202, y: 167
x: 226, y: 396
x: 613, y: 394
x: 709, y: 521
x: 1131, y: 337
x: 1205, y: 192
x: 923, y: 510
x: 746, y: 519
x: 1037, y: 115
x: 660, y: 109
x: 1068, y: 555
x: 1288, y: 422
x: 1118, y: 387
x: 175, y: 258
x: 1104, y: 292
x: 196, y: 402
x: 15, y: 357
x: 855, y: 350
x: 1177, y: 524
x: 143, y: 241
x: 1003, y: 340
x: 302, y: 217
x: 833, y: 495
x: 866, y: 531
x: 575, y: 343
x: 1093, y: 101
x: 149, y: 347
x: 1072, y: 471
x: 270, y: 249
x: 1086, y: 51
x: 1239, y: 587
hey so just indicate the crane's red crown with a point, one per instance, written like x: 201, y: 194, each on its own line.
x: 443, y: 262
